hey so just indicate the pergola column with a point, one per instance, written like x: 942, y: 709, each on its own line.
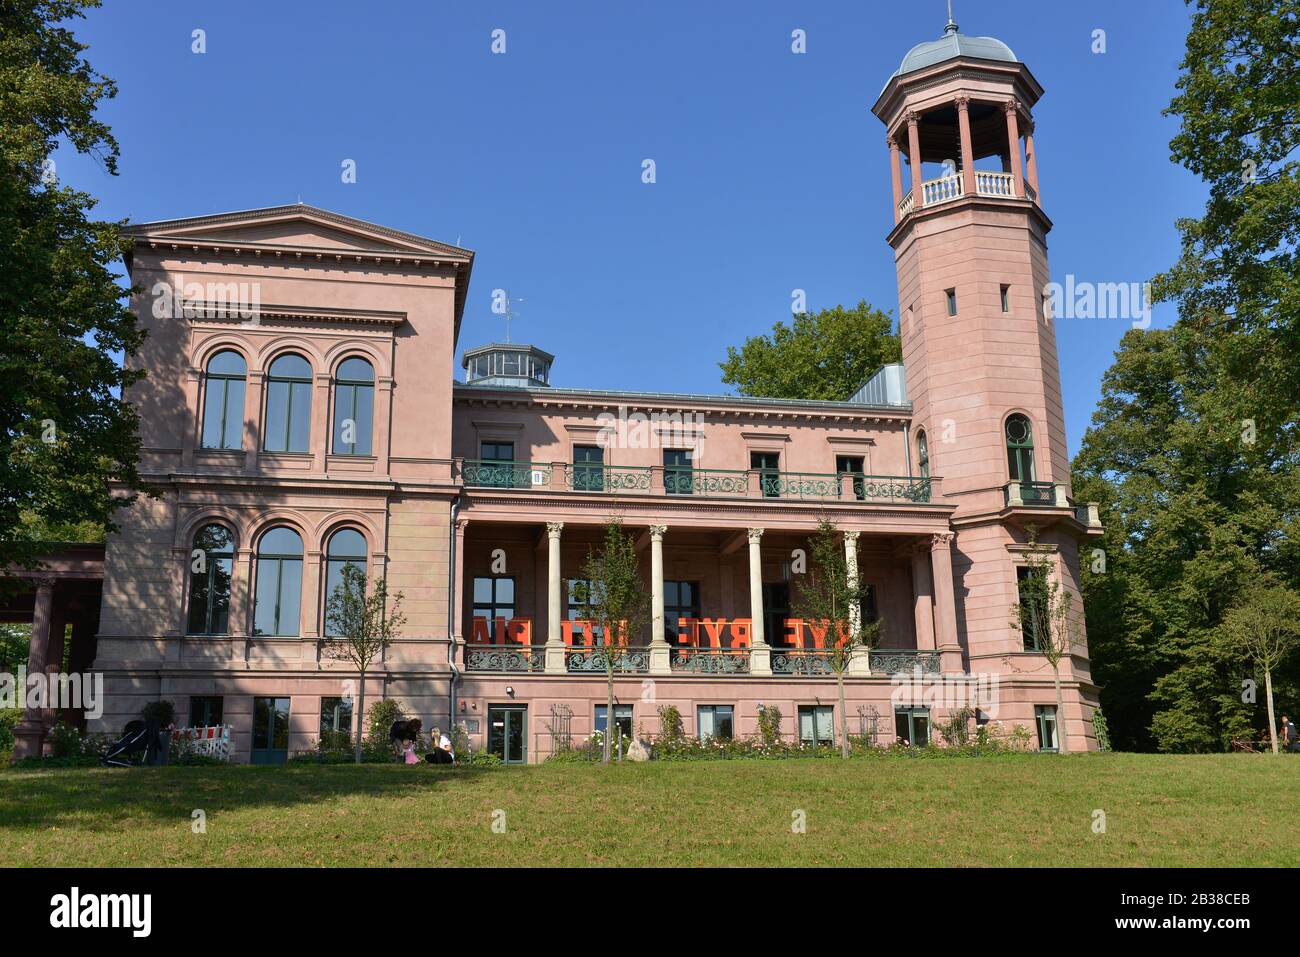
x: 895, y: 175
x: 967, y: 151
x: 29, y: 735
x: 554, y: 637
x: 945, y: 605
x: 660, y: 653
x: 1012, y: 108
x: 1031, y: 161
x: 760, y: 656
x: 914, y: 154
x: 923, y: 599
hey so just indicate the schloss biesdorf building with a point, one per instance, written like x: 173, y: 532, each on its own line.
x: 327, y: 423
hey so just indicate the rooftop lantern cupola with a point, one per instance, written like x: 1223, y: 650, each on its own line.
x: 507, y: 365
x: 957, y: 108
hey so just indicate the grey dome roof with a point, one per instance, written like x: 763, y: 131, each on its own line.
x: 951, y: 45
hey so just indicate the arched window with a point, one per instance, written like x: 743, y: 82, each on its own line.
x: 354, y: 406
x: 288, y: 405
x: 1020, y: 449
x: 279, y: 583
x: 211, y: 562
x: 922, y: 454
x: 346, y: 547
x: 223, y: 401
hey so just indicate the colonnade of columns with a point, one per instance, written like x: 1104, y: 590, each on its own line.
x: 934, y: 606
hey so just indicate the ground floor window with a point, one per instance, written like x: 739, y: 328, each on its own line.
x: 1045, y: 716
x: 715, y: 721
x: 205, y: 711
x: 335, y: 716
x: 912, y: 726
x: 622, y: 719
x: 816, y: 724
x: 270, y: 731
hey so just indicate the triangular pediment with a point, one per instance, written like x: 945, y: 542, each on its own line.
x: 296, y: 227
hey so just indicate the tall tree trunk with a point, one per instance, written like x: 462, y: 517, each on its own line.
x: 1268, y: 697
x: 1062, y: 745
x: 609, y: 703
x: 361, y: 719
x: 844, y: 717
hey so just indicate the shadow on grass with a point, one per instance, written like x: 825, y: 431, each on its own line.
x: 73, y: 797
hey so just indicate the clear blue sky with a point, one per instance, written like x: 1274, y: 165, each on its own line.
x: 772, y: 171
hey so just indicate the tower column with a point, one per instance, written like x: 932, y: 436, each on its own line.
x: 895, y: 174
x: 1031, y: 161
x: 914, y: 154
x: 967, y: 151
x: 1013, y: 145
x: 554, y: 641
x: 760, y: 655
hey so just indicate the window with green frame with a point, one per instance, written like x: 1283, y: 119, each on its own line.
x: 223, y: 401
x: 1020, y: 448
x: 816, y: 724
x: 588, y: 468
x: 211, y: 566
x: 335, y: 716
x: 1045, y: 717
x: 912, y: 726
x: 354, y: 407
x: 288, y: 405
x: 494, y: 597
x: 678, y: 472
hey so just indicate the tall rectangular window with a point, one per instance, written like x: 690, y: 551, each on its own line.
x: 678, y: 478
x: 951, y: 294
x: 588, y: 468
x: 496, y: 451
x: 494, y: 598
x: 1034, y: 599
x: 852, y: 465
x: 205, y: 711
x: 1045, y: 716
x: 622, y: 718
x: 1006, y: 298
x: 768, y: 467
x: 816, y: 724
x: 681, y: 600
x: 715, y: 721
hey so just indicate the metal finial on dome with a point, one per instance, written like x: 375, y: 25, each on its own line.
x: 951, y: 28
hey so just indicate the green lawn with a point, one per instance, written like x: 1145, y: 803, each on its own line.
x: 1021, y: 810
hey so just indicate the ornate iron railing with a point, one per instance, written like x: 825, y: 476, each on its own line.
x: 1034, y: 493
x: 889, y: 488
x: 504, y: 658
x: 711, y: 661
x: 607, y: 478
x: 488, y: 474
x: 801, y: 485
x: 894, y: 661
x: 801, y: 661
x: 626, y: 660
x: 708, y: 482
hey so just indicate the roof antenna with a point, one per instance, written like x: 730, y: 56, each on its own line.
x: 951, y: 28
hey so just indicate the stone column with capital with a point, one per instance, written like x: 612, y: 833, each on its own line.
x: 914, y: 154
x: 660, y: 652
x: 458, y: 596
x: 760, y: 655
x: 945, y: 605
x: 923, y: 599
x: 895, y: 174
x: 860, y: 663
x: 1031, y: 162
x: 1012, y: 108
x: 967, y: 151
x: 554, y: 637
x: 29, y: 735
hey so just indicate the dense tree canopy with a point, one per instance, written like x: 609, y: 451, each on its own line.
x: 64, y: 431
x: 1193, y: 448
x: 823, y: 355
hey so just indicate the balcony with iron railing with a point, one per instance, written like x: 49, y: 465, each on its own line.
x: 675, y: 482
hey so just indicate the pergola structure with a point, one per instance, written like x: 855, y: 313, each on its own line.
x: 60, y: 598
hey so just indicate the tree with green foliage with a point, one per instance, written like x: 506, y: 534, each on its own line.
x: 830, y: 595
x: 824, y: 355
x: 359, y: 626
x: 618, y: 603
x: 1193, y: 448
x: 1265, y: 627
x: 68, y: 443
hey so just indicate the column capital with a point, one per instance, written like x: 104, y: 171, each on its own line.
x: 962, y: 102
x: 1011, y: 106
x: 892, y: 142
x: 657, y: 532
x: 553, y: 529
x: 941, y: 540
x: 912, y: 117
x: 461, y: 525
x: 45, y: 583
x: 755, y: 535
x: 851, y: 536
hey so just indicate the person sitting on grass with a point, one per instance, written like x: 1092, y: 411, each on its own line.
x: 442, y: 754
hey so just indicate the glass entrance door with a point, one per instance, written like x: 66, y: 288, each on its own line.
x: 508, y: 732
x: 270, y: 731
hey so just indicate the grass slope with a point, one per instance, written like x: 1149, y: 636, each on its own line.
x: 1218, y: 810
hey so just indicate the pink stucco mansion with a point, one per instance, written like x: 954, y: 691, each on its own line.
x: 332, y: 424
